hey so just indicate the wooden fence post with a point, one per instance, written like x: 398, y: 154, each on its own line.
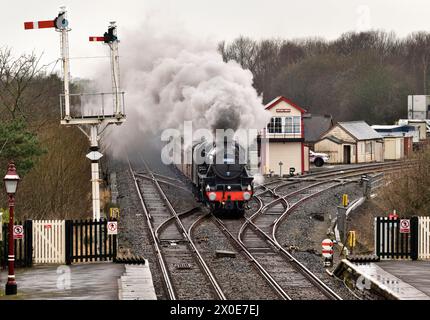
x: 28, y: 243
x: 414, y: 238
x: 69, y: 241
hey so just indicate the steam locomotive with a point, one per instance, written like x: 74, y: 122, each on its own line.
x: 220, y: 176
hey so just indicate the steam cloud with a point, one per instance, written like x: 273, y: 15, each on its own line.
x: 172, y: 78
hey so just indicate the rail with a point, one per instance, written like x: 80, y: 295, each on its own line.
x: 200, y: 259
x: 165, y: 274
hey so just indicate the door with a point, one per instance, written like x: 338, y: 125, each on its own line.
x: 346, y: 154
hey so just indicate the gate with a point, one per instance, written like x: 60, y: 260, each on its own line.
x: 88, y: 240
x: 49, y: 241
x: 390, y: 243
x: 61, y: 241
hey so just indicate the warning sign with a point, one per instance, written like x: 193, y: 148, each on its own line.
x: 405, y: 226
x: 112, y: 227
x: 18, y: 232
x: 327, y: 248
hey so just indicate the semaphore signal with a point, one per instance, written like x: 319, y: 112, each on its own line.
x: 97, y: 120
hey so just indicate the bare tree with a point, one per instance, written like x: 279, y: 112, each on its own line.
x: 16, y: 75
x: 418, y: 53
x: 243, y: 50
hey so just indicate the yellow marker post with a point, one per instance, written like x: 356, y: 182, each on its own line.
x: 351, y: 240
x: 114, y: 213
x: 345, y: 200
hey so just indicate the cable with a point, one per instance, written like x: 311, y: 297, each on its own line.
x: 344, y: 283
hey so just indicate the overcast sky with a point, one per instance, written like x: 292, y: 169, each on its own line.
x: 213, y: 19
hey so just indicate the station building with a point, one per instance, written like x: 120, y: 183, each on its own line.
x: 398, y: 140
x: 282, y: 148
x: 352, y: 142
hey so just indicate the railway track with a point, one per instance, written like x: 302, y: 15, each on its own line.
x: 183, y: 260
x: 259, y: 231
x: 184, y: 272
x: 256, y: 234
x: 333, y: 175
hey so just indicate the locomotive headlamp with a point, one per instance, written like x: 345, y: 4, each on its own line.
x: 208, y: 188
x: 249, y: 187
x: 246, y: 195
x: 212, y: 196
x: 229, y: 187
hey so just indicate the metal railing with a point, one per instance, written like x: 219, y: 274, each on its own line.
x: 92, y: 105
x: 265, y: 133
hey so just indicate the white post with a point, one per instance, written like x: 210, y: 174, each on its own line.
x: 114, y: 58
x: 66, y: 66
x: 95, y: 182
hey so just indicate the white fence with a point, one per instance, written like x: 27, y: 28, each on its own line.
x: 49, y: 241
x: 423, y: 238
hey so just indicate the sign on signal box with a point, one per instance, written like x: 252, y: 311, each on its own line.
x: 112, y: 227
x: 405, y: 226
x: 18, y: 232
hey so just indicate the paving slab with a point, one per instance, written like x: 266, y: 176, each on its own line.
x: 403, y: 280
x: 415, y: 273
x: 136, y: 283
x: 95, y: 281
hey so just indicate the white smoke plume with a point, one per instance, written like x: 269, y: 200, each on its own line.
x: 171, y: 78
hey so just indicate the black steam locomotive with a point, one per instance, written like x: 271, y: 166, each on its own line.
x: 220, y: 176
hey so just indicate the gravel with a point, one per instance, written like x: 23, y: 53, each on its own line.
x: 133, y: 238
x: 237, y: 277
x: 307, y: 226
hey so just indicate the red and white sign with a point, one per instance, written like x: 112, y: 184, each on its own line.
x: 405, y: 226
x: 327, y: 248
x: 18, y: 232
x: 283, y: 110
x: 48, y: 226
x: 393, y: 215
x: 112, y: 227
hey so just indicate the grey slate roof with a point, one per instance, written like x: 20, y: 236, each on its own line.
x: 316, y: 125
x: 360, y: 130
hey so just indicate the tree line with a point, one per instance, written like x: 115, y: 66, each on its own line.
x: 50, y: 158
x: 359, y: 76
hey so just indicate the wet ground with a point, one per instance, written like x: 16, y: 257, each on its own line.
x: 414, y: 273
x: 96, y: 281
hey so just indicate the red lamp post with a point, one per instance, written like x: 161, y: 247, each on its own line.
x: 11, y: 180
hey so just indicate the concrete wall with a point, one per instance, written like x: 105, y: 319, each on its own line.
x: 373, y: 153
x: 394, y: 148
x: 289, y: 153
x: 331, y: 148
x: 379, y: 151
